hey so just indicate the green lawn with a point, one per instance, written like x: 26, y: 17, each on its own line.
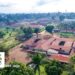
x: 42, y: 71
x: 9, y: 40
x: 65, y: 73
x: 66, y: 34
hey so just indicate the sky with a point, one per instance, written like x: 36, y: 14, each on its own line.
x: 36, y: 6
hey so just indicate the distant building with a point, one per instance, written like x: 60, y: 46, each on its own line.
x: 69, y: 20
x: 56, y: 30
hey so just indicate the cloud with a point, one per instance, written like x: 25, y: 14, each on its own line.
x: 57, y: 5
x: 17, y: 6
x: 35, y: 6
x: 43, y: 2
x: 6, y: 5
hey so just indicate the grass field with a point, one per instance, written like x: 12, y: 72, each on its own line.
x: 42, y: 71
x: 66, y: 35
x: 8, y: 39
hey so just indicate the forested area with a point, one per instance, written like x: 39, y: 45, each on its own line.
x: 9, y: 19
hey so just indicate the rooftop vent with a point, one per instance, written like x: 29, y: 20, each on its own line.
x: 62, y: 43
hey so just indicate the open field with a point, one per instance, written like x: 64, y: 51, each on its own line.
x: 9, y: 38
x: 66, y: 35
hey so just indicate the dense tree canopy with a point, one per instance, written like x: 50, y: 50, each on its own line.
x: 17, y: 69
x: 53, y: 68
x: 27, y: 31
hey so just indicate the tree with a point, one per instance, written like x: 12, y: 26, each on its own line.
x: 61, y: 17
x: 53, y: 68
x: 28, y: 32
x: 37, y: 60
x: 7, y: 29
x: 36, y: 30
x: 70, y: 67
x: 72, y: 60
x: 17, y: 69
x: 4, y: 49
x: 49, y: 28
x: 72, y: 26
x: 1, y: 34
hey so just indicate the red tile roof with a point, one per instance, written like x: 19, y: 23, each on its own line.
x: 53, y: 43
x: 44, y: 44
x: 66, y: 47
x: 60, y: 57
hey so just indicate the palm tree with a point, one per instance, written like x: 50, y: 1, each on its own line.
x: 37, y: 61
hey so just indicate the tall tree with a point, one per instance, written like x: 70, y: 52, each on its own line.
x: 49, y: 28
x: 37, y: 30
